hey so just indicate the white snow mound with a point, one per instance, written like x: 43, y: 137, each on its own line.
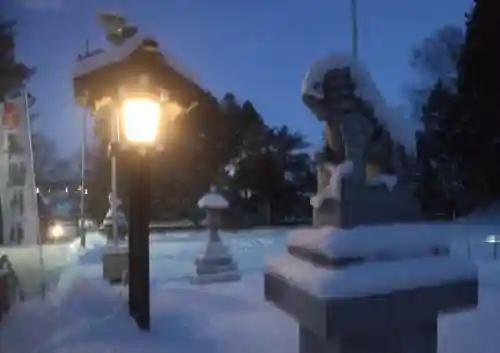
x: 370, y: 279
x: 373, y: 243
x: 401, y: 128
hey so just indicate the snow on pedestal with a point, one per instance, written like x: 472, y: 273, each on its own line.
x: 369, y: 290
x: 215, y: 264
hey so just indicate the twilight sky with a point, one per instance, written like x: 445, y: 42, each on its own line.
x: 258, y: 49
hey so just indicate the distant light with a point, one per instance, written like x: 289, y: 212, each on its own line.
x: 37, y: 190
x: 492, y: 239
x: 56, y: 231
x: 86, y: 191
x: 66, y: 190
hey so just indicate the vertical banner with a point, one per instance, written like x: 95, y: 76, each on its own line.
x: 17, y: 189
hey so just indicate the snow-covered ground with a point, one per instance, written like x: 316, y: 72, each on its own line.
x: 36, y: 265
x: 85, y: 315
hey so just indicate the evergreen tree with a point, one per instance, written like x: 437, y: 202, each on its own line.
x: 13, y: 74
x: 433, y: 59
x: 440, y: 188
x: 219, y: 143
x: 476, y: 116
x: 275, y: 170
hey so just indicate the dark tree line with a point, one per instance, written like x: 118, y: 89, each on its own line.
x: 459, y: 146
x: 264, y: 171
x: 13, y: 73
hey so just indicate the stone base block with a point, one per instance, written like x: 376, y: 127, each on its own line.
x: 328, y: 214
x: 4, y: 293
x: 330, y: 317
x: 368, y: 205
x: 371, y: 205
x: 114, y: 264
x: 215, y: 265
x: 417, y: 339
x: 208, y: 278
x: 107, y: 229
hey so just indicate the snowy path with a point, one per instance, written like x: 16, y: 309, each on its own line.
x: 86, y: 315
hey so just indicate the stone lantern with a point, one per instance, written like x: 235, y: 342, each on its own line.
x: 215, y: 264
x: 115, y: 257
x: 121, y: 220
x: 135, y: 89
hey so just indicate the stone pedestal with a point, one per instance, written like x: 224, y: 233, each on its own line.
x: 115, y: 264
x: 4, y: 293
x: 215, y: 265
x: 362, y: 205
x: 340, y: 309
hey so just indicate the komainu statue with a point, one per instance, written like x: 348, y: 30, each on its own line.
x: 364, y: 167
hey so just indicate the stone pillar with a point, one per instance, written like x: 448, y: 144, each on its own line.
x: 339, y: 309
x: 213, y: 225
x: 215, y: 264
x: 354, y: 140
x: 115, y: 263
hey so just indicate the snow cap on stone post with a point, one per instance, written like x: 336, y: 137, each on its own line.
x: 213, y: 200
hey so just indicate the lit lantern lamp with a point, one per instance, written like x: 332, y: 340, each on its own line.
x: 144, y: 116
x: 135, y: 89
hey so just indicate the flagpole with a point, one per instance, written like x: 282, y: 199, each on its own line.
x: 43, y: 285
x: 354, y: 24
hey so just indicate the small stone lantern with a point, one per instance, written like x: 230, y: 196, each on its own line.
x: 121, y: 220
x: 115, y: 256
x: 215, y: 264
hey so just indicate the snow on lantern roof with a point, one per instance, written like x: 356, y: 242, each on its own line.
x: 107, y: 57
x: 114, y: 54
x: 213, y: 200
x: 401, y: 129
